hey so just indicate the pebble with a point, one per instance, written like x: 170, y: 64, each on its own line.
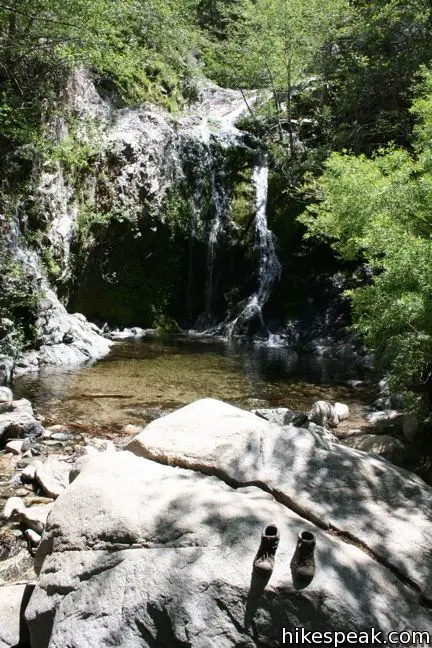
x: 131, y: 429
x: 51, y: 442
x: 28, y: 474
x: 21, y: 492
x: 62, y: 436
x: 32, y: 536
x: 17, y: 446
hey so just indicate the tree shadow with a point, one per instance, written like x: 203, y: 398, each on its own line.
x: 199, y: 553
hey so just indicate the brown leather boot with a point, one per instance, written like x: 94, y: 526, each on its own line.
x: 303, y: 562
x: 265, y: 558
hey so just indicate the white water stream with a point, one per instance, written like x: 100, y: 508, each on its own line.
x: 269, y: 268
x: 146, y: 151
x: 269, y: 265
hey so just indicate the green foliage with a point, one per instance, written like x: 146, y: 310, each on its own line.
x: 90, y: 220
x: 19, y: 299
x: 271, y: 43
x: 379, y: 209
x: 367, y: 70
x: 137, y: 51
x: 176, y: 208
x: 164, y: 324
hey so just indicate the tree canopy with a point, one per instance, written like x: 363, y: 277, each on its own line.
x: 369, y: 155
x: 378, y: 210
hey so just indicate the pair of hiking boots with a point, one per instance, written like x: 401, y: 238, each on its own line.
x: 303, y: 561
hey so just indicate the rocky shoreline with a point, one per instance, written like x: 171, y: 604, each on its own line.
x: 102, y: 518
x: 39, y: 465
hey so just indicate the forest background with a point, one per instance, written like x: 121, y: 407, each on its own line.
x: 353, y: 76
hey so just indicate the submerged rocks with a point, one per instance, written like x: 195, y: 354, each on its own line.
x: 166, y: 560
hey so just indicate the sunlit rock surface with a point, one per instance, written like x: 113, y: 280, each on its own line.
x: 166, y: 559
x: 137, y: 553
x: 364, y: 497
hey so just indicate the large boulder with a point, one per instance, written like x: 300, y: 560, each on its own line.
x: 138, y: 554
x: 13, y: 628
x: 64, y: 339
x: 384, y: 445
x: 323, y: 413
x: 19, y: 422
x: 6, y: 398
x: 363, y: 498
x: 6, y: 369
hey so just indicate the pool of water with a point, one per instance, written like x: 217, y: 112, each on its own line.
x: 138, y: 380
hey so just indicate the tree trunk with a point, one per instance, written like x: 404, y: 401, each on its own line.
x: 289, y: 110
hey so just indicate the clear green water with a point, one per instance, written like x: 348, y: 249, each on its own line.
x: 140, y: 379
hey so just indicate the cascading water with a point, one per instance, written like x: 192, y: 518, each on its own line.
x: 214, y: 231
x: 182, y: 179
x: 220, y: 209
x: 210, y: 197
x: 249, y: 311
x: 269, y: 268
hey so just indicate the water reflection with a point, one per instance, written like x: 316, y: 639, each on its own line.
x: 165, y: 373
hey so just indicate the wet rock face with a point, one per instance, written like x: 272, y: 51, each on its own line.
x: 166, y: 557
x: 60, y: 338
x: 157, y: 229
x: 6, y: 368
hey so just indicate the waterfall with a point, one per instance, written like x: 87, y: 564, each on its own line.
x: 204, y: 167
x: 220, y: 209
x: 213, y: 236
x: 269, y: 268
x: 249, y: 311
